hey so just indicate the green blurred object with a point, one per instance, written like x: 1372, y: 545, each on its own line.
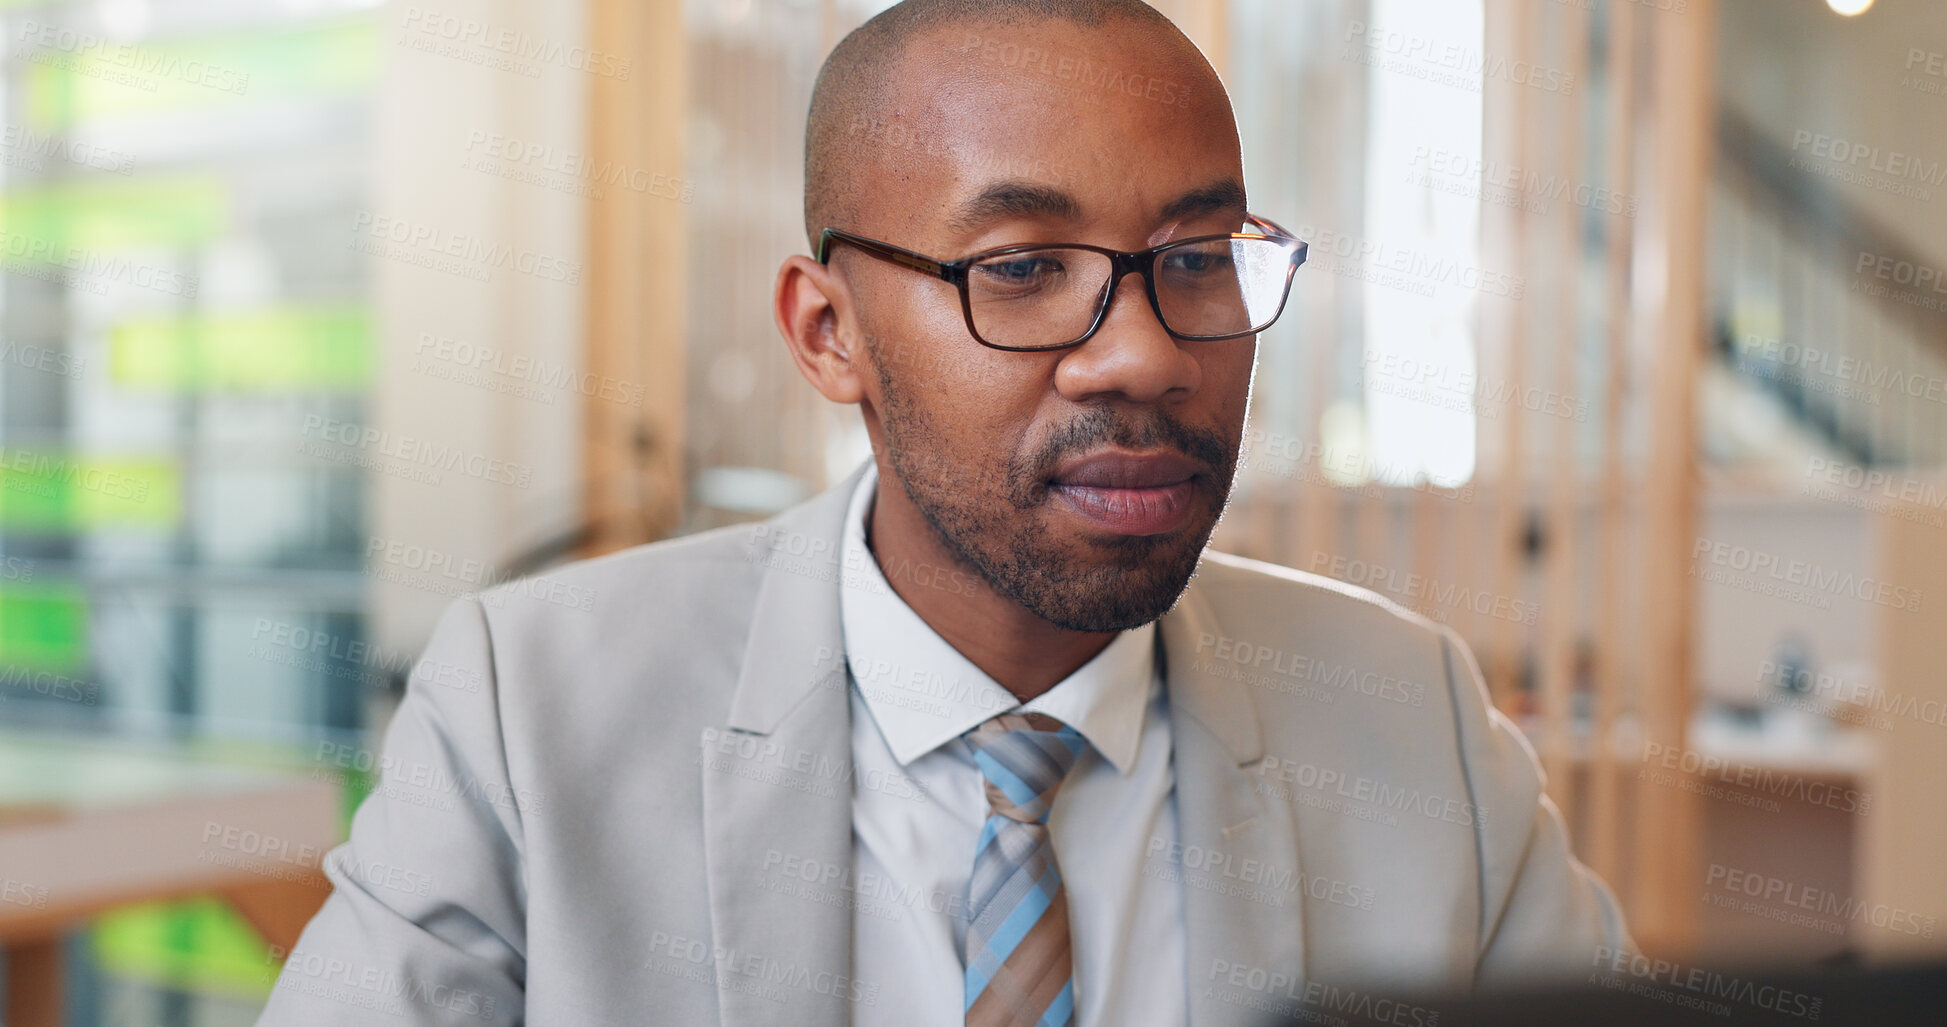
x: 58, y: 492
x: 43, y: 627
x: 198, y: 945
x: 67, y: 81
x: 278, y: 349
x: 76, y: 225
x: 358, y: 785
x: 202, y: 945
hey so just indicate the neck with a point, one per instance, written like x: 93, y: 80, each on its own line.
x: 1018, y: 649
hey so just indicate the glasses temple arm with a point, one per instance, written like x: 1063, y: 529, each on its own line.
x: 883, y: 251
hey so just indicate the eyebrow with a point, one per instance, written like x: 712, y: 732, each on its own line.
x: 1013, y: 199
x: 1004, y: 200
x: 1216, y: 198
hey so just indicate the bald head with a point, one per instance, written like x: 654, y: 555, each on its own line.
x: 857, y: 92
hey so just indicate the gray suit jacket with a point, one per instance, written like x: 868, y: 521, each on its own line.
x: 621, y: 794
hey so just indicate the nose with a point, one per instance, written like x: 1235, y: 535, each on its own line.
x: 1131, y: 355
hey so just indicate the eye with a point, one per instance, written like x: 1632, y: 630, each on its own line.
x: 1020, y: 271
x: 1198, y: 262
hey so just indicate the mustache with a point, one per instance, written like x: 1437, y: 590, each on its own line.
x: 1104, y: 425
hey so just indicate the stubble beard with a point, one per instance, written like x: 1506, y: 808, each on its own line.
x: 996, y: 527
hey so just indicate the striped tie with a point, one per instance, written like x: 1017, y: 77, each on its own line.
x: 1018, y: 972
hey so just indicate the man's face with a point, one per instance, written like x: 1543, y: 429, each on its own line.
x: 1082, y: 483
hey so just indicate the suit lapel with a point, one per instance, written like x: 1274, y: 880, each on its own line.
x: 777, y: 806
x: 777, y: 795
x: 1244, y: 944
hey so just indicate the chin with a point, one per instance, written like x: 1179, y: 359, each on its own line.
x: 1104, y: 584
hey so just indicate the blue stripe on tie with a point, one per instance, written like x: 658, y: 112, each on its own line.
x: 1050, y: 744
x: 1023, y: 917
x: 1062, y: 1009
x: 1012, y: 930
x: 1019, y: 792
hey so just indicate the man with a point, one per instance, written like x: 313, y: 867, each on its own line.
x: 983, y: 734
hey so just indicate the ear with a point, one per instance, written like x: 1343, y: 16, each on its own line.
x: 815, y: 316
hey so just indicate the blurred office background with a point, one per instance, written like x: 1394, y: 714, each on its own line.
x: 1622, y: 348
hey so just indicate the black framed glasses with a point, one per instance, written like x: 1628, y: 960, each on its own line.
x: 1038, y: 296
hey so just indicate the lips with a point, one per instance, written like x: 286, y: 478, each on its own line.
x: 1128, y: 493
x: 1127, y: 471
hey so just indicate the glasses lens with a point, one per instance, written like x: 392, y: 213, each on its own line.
x: 1037, y: 298
x: 1222, y: 286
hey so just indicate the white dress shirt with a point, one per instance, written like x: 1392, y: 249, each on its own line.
x: 919, y: 803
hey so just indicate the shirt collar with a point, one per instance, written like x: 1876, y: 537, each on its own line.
x: 923, y: 693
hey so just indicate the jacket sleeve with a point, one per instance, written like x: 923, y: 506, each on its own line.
x: 1544, y: 915
x: 426, y: 922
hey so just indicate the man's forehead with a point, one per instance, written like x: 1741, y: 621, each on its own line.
x: 1049, y: 120
x: 1009, y: 199
x: 1065, y: 69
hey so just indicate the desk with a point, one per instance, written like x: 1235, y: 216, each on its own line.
x: 89, y: 823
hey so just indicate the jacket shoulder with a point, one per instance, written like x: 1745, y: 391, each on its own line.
x: 1306, y: 635
x: 642, y: 577
x: 1239, y: 585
